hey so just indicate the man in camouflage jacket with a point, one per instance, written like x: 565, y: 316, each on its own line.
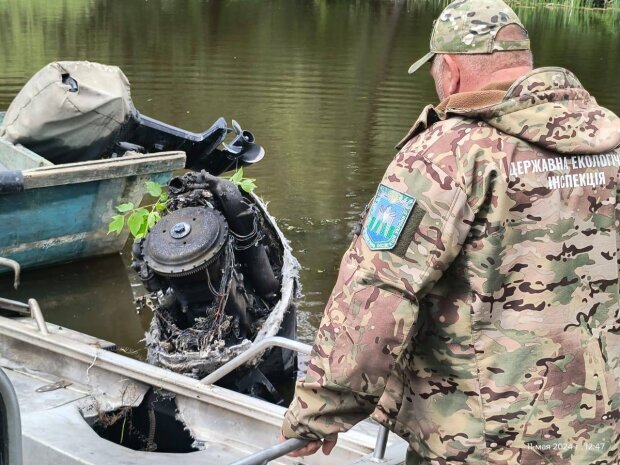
x: 477, y: 314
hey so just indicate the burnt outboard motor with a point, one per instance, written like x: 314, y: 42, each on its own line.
x: 214, y: 266
x: 190, y: 253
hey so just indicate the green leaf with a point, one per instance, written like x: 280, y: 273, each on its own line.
x: 248, y: 185
x: 136, y: 220
x: 153, y: 218
x: 125, y: 207
x: 163, y: 197
x: 153, y: 188
x: 161, y: 207
x: 238, y: 176
x: 142, y: 231
x: 116, y: 225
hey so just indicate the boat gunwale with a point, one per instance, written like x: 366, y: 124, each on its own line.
x: 132, y: 164
x: 184, y: 386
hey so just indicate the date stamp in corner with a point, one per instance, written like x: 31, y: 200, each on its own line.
x: 565, y: 446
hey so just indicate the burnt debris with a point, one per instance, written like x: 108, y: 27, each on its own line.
x: 214, y: 267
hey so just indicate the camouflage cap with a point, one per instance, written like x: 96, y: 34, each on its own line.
x: 470, y: 26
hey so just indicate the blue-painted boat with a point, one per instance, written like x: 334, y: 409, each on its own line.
x: 59, y: 213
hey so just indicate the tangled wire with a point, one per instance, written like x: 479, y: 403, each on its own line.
x: 207, y: 330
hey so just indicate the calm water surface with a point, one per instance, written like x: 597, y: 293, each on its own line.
x: 322, y: 84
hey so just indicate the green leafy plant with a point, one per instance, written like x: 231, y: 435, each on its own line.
x: 140, y: 220
x: 246, y: 184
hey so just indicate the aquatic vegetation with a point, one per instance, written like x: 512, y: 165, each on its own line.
x: 576, y: 18
x: 246, y: 184
x: 608, y: 5
x: 585, y: 17
x: 599, y: 4
x: 140, y: 220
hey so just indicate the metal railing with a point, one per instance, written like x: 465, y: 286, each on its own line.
x: 32, y: 308
x: 271, y: 453
x: 254, y: 351
x: 262, y: 457
x: 16, y: 269
x: 381, y: 444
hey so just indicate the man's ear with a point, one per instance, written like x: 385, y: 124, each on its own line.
x: 453, y: 75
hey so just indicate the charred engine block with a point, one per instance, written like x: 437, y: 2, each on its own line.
x: 209, y: 264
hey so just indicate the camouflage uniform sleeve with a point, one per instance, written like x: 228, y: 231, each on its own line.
x: 371, y: 314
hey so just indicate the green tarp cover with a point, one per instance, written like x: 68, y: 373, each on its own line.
x: 65, y: 122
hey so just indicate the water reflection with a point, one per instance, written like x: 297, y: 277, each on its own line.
x: 93, y: 296
x: 322, y: 84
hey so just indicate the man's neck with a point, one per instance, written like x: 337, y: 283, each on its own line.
x: 502, y: 75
